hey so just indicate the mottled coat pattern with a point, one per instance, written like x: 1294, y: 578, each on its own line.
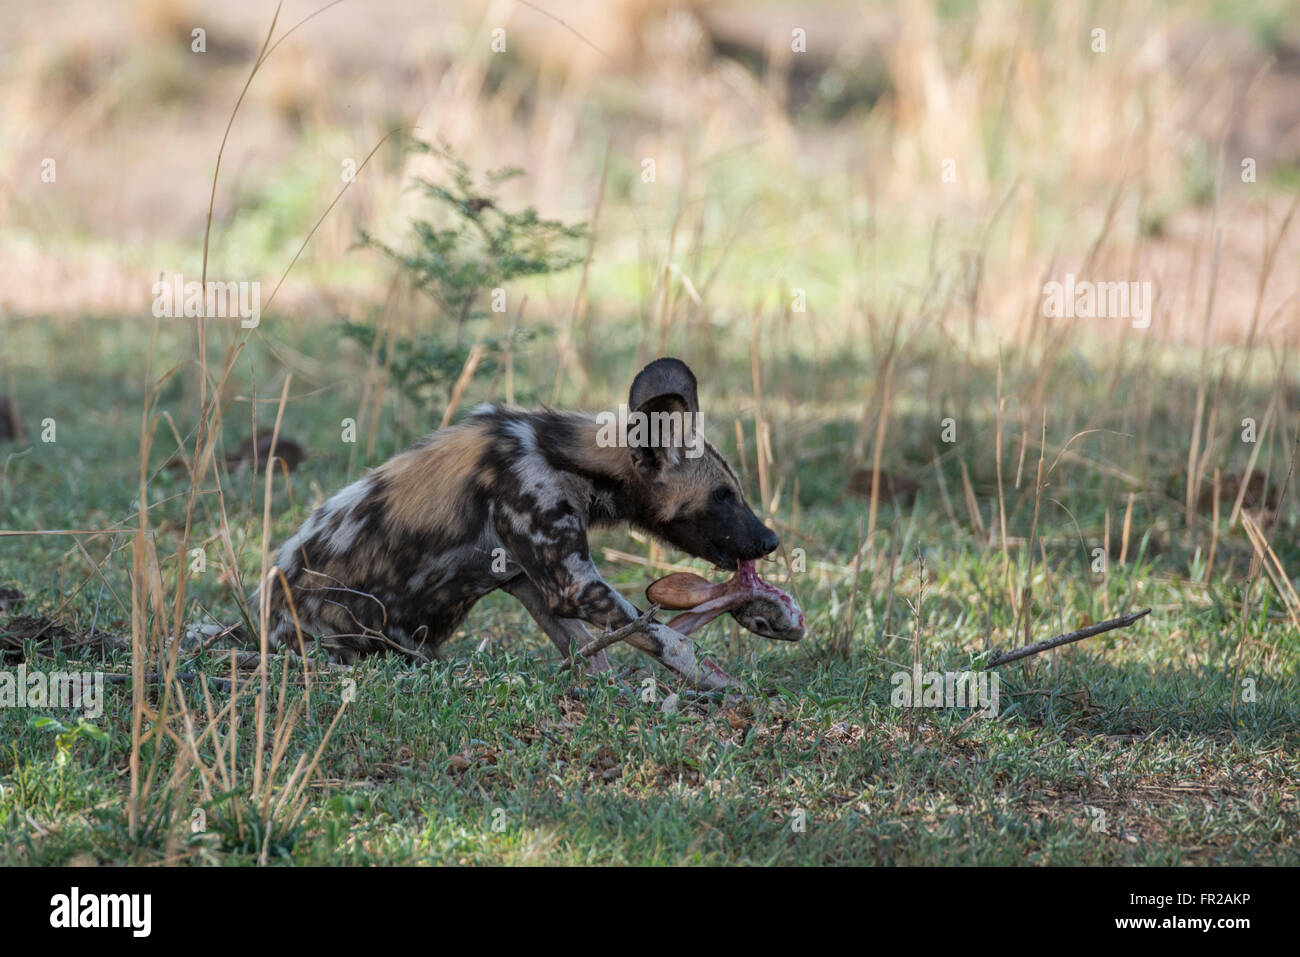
x: 504, y: 499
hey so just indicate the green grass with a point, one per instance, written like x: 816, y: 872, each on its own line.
x: 1130, y: 747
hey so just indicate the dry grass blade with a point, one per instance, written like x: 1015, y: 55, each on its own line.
x: 150, y: 610
x: 462, y: 382
x: 1273, y: 566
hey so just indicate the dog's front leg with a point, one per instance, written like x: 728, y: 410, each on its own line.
x: 588, y: 596
x: 677, y: 652
x: 566, y: 634
x: 550, y: 546
x: 569, y: 584
x: 603, y: 606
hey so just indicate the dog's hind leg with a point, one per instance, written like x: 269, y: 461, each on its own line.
x: 567, y: 634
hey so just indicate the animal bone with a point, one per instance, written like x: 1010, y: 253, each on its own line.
x: 759, y: 606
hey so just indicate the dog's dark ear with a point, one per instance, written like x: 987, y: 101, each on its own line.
x: 665, y: 385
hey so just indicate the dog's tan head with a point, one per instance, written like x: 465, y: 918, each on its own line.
x: 690, y: 496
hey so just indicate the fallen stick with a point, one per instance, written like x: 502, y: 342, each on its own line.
x: 618, y: 634
x: 997, y: 657
x: 244, y: 662
x: 186, y: 677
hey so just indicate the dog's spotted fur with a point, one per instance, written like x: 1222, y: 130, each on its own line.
x: 504, y: 500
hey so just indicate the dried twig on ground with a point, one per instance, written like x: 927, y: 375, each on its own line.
x: 618, y: 634
x: 185, y: 677
x: 997, y: 657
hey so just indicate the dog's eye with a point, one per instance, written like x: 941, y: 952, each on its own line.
x: 760, y: 624
x: 723, y: 493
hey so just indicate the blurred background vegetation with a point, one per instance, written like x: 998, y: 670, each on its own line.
x: 841, y: 213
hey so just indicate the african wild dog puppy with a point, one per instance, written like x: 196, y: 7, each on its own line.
x: 503, y: 500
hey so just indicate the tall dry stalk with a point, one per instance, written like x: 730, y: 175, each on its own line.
x: 160, y: 715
